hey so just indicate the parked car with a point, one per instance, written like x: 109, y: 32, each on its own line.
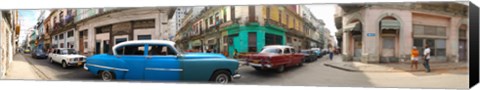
x: 39, y: 54
x: 26, y: 50
x: 159, y: 60
x: 276, y: 57
x: 318, y: 52
x: 309, y: 55
x: 67, y: 57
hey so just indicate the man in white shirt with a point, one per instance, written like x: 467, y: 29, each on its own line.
x: 426, y: 57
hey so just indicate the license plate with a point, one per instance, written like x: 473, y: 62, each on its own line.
x: 79, y: 63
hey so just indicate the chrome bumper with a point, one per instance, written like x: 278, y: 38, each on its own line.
x: 236, y: 76
x: 260, y: 65
x: 85, y: 67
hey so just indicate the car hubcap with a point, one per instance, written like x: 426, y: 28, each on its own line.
x: 281, y: 68
x: 222, y: 78
x: 106, y: 76
x: 64, y: 65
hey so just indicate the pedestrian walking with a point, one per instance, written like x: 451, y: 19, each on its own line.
x: 426, y: 56
x: 414, y: 58
x: 331, y: 54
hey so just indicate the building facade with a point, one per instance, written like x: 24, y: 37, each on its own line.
x: 225, y: 29
x: 9, y: 29
x: 387, y: 32
x: 101, y: 30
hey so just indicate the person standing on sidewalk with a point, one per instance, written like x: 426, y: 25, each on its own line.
x: 426, y: 56
x: 414, y: 58
x: 331, y: 54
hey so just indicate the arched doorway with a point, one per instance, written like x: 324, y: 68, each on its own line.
x: 389, y: 33
x: 355, y: 28
x: 462, y: 43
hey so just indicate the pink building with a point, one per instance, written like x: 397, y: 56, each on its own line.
x: 387, y: 32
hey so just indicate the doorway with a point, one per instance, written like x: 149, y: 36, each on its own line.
x: 462, y: 50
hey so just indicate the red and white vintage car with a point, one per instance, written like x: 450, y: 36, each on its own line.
x: 276, y: 57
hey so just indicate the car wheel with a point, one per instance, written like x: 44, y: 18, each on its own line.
x: 107, y: 76
x: 64, y: 64
x: 301, y: 63
x: 281, y: 69
x: 222, y: 77
x: 50, y: 59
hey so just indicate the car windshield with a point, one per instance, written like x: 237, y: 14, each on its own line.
x: 305, y: 52
x: 69, y: 51
x: 39, y: 50
x: 271, y: 50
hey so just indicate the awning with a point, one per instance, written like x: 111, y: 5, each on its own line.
x: 356, y: 26
x: 390, y: 25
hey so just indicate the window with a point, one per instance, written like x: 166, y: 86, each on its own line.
x: 211, y: 20
x: 271, y: 50
x: 61, y: 36
x: 280, y: 16
x: 120, y: 40
x: 252, y: 42
x: 131, y: 50
x: 161, y: 50
x: 286, y: 51
x: 272, y: 39
x: 462, y: 33
x: 287, y: 19
x: 144, y: 37
x: 423, y: 30
x: 70, y: 34
x: 437, y: 46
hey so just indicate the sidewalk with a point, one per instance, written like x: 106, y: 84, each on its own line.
x: 21, y: 69
x: 390, y: 67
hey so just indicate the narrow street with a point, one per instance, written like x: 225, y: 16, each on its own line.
x: 311, y: 74
x: 54, y: 71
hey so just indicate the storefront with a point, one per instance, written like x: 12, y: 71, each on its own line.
x: 253, y: 38
x: 387, y: 35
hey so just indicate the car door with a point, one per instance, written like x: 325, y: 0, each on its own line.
x: 162, y: 63
x: 134, y: 58
x: 55, y: 55
x: 287, y: 56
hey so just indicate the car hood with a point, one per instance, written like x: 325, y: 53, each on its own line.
x: 74, y: 56
x: 202, y: 55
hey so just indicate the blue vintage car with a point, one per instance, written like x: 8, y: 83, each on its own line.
x: 159, y: 60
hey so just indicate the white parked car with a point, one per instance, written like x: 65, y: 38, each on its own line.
x: 67, y: 57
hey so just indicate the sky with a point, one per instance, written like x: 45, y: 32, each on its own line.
x: 325, y: 12
x: 28, y: 19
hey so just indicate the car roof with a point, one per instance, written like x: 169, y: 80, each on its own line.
x: 278, y: 46
x: 145, y: 42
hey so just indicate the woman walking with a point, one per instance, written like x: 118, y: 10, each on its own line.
x: 414, y: 58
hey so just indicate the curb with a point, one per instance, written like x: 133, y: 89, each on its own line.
x: 37, y: 71
x: 395, y: 70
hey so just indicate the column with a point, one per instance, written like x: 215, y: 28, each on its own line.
x: 452, y: 39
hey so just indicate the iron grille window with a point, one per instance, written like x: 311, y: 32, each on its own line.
x: 70, y: 34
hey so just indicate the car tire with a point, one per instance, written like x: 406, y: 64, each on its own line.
x: 107, y: 76
x: 50, y: 60
x: 301, y: 63
x: 64, y: 65
x: 281, y: 69
x: 222, y: 77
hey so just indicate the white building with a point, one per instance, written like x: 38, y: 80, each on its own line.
x: 99, y: 31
